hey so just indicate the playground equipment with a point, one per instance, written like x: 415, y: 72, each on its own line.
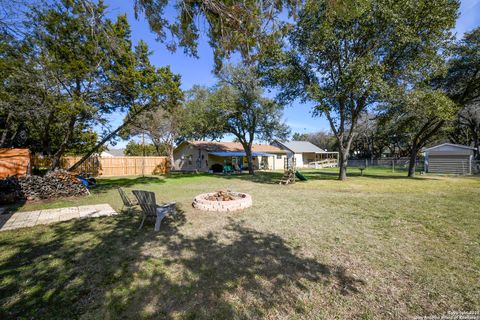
x: 300, y: 176
x: 289, y: 171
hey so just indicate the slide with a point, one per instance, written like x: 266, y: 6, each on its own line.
x: 300, y: 176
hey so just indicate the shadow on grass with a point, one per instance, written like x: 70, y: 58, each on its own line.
x: 265, y: 177
x: 106, y: 268
x: 104, y: 185
x: 273, y: 177
x: 10, y: 209
x: 323, y: 175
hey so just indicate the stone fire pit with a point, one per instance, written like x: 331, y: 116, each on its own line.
x: 223, y: 201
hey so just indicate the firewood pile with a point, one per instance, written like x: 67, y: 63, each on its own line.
x: 55, y: 184
x: 222, y: 196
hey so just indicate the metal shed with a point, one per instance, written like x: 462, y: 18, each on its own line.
x: 449, y: 158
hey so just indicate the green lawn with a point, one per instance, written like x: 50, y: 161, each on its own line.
x: 379, y: 246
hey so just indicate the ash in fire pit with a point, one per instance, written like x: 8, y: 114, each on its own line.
x: 222, y: 201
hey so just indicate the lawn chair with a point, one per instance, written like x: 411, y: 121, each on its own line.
x: 129, y: 204
x: 147, y: 202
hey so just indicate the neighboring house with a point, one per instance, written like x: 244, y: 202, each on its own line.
x: 304, y: 152
x: 113, y: 153
x: 202, y: 155
x: 449, y: 158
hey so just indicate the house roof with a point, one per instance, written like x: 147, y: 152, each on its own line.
x: 239, y: 154
x: 451, y: 145
x: 212, y: 146
x: 301, y: 146
x: 116, y: 152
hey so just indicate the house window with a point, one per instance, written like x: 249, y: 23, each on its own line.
x: 190, y: 159
x: 279, y: 156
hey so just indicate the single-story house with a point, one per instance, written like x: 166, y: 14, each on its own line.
x: 210, y: 156
x: 113, y: 153
x: 304, y: 152
x: 449, y: 158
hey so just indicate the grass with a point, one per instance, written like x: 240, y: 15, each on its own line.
x: 379, y: 246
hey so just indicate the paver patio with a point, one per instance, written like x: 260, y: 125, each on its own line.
x: 33, y: 218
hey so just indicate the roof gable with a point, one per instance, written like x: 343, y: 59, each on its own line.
x: 448, y: 147
x: 116, y: 152
x: 301, y: 146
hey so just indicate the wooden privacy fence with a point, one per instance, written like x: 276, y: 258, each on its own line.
x: 121, y: 166
x: 112, y: 166
x: 14, y: 162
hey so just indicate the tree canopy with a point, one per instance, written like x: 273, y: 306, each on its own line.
x: 141, y: 149
x: 231, y: 26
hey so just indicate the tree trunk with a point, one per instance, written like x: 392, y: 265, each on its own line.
x: 97, y: 146
x: 3, y: 139
x: 170, y: 156
x: 58, y: 155
x: 248, y: 153
x: 343, y: 154
x: 46, y: 135
x: 104, y: 140
x: 342, y: 163
x: 476, y: 144
x: 412, y: 164
x: 157, y: 149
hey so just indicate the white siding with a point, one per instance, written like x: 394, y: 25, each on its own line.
x: 276, y: 162
x: 299, y: 160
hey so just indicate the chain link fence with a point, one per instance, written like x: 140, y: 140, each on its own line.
x: 398, y: 164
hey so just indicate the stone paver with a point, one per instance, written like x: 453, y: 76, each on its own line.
x: 32, y: 218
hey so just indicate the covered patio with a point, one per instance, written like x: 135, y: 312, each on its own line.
x: 237, y: 160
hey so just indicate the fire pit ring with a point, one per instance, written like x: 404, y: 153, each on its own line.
x: 213, y: 201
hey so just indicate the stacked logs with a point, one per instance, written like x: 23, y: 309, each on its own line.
x: 223, y: 196
x: 55, y: 184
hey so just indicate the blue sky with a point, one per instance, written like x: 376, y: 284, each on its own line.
x: 199, y: 71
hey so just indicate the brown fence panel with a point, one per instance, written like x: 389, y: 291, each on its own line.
x: 121, y: 166
x: 112, y: 166
x: 14, y: 162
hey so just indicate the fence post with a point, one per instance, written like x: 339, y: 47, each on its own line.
x: 393, y: 166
